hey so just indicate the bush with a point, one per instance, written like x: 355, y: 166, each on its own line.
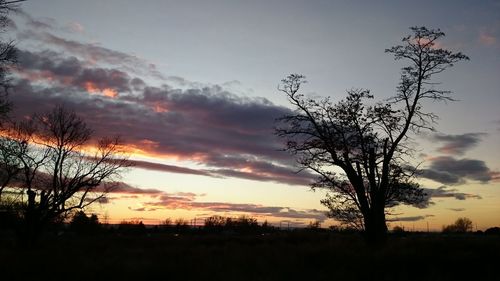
x: 10, y: 215
x: 215, y: 223
x: 398, y: 230
x: 314, y: 225
x: 492, y: 231
x: 181, y: 225
x: 83, y: 224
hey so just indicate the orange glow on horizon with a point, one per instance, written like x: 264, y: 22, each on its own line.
x: 247, y: 170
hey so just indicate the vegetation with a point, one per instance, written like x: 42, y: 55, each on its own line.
x: 83, y: 224
x: 53, y: 160
x: 367, y: 144
x: 242, y: 225
x: 461, y: 225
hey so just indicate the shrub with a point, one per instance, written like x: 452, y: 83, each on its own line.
x: 492, y: 231
x: 83, y: 224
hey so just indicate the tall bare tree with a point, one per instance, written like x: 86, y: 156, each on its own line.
x: 360, y: 151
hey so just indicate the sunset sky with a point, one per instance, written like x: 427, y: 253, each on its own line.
x: 191, y: 87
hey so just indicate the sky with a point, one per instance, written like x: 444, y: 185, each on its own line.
x: 191, y: 87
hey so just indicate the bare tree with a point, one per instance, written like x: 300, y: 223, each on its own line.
x: 61, y: 168
x: 360, y: 151
x: 9, y: 148
x: 7, y: 53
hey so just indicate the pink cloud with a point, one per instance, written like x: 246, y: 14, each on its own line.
x: 75, y: 27
x: 487, y: 39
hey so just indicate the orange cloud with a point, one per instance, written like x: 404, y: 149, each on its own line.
x: 92, y: 88
x: 160, y: 108
x: 109, y: 93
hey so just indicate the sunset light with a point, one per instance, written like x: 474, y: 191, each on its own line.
x: 320, y: 125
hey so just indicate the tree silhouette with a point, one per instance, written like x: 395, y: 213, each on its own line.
x: 359, y: 150
x: 7, y: 54
x: 61, y: 168
x: 83, y: 224
x: 461, y: 225
x: 8, y: 160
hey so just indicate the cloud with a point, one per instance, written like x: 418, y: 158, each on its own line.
x: 446, y: 192
x: 175, y: 202
x: 93, y: 53
x: 51, y: 67
x: 448, y: 170
x: 457, y: 209
x: 410, y: 218
x: 226, y: 134
x: 37, y: 23
x: 457, y: 144
x: 188, y: 201
x: 124, y: 188
x: 495, y: 176
x: 167, y: 168
x: 443, y: 192
x: 232, y: 136
x: 74, y: 27
x: 487, y: 39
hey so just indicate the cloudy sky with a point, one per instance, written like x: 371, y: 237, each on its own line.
x: 191, y: 88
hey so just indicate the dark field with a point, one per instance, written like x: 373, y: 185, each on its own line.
x: 277, y: 256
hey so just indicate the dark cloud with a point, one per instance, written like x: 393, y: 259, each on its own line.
x: 410, y: 218
x: 52, y: 67
x: 167, y: 168
x: 442, y: 176
x: 37, y: 23
x: 94, y: 54
x: 232, y: 136
x: 446, y: 192
x: 124, y: 188
x: 443, y: 192
x: 246, y: 167
x: 448, y: 170
x: 457, y: 144
x: 457, y: 209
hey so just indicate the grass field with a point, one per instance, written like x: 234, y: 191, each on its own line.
x: 278, y: 256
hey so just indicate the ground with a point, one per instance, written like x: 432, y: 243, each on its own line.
x: 298, y: 255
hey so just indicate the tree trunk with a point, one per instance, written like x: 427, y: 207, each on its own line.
x: 375, y: 227
x: 30, y: 228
